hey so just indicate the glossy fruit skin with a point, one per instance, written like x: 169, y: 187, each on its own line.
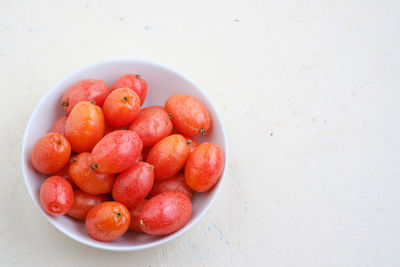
x: 165, y: 213
x: 83, y: 202
x: 56, y: 196
x: 192, y: 143
x: 168, y: 156
x: 64, y: 172
x: 117, y: 151
x: 189, y: 116
x: 204, y: 167
x: 59, y: 125
x: 50, y: 153
x: 107, y: 221
x: 85, y: 126
x: 121, y: 107
x: 133, y: 184
x: 135, y: 213
x: 85, y: 90
x: 87, y: 178
x: 175, y: 183
x: 134, y: 82
x: 152, y: 125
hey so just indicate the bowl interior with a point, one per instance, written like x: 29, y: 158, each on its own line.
x: 162, y: 82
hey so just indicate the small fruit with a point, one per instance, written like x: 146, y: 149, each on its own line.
x: 189, y: 116
x: 117, y: 151
x: 83, y: 202
x: 152, y: 125
x: 135, y: 213
x: 175, y: 183
x: 133, y: 184
x: 85, y: 126
x: 168, y: 156
x: 59, y: 125
x: 165, y: 213
x: 85, y: 90
x: 134, y: 82
x: 107, y: 221
x: 50, y: 153
x: 56, y: 196
x: 87, y: 178
x: 64, y: 172
x: 204, y: 167
x: 121, y: 107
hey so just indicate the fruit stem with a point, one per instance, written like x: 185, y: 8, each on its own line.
x: 65, y: 103
x: 118, y: 215
x: 93, y: 167
x: 92, y: 102
x: 202, y: 131
x: 189, y: 142
x: 142, y: 223
x: 125, y: 99
x: 138, y: 76
x: 169, y: 115
x: 59, y: 143
x: 73, y: 159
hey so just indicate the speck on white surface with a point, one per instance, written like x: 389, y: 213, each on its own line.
x: 309, y: 94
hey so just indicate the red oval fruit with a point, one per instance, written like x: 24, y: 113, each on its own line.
x: 175, y: 183
x: 133, y: 184
x: 56, y: 196
x: 59, y: 125
x: 152, y: 125
x: 204, y: 167
x: 87, y: 178
x: 85, y: 126
x: 83, y: 202
x: 188, y: 114
x: 121, y: 107
x: 50, y: 153
x: 64, y: 172
x: 168, y: 156
x: 135, y: 213
x: 85, y: 90
x: 107, y: 221
x: 192, y: 143
x: 117, y: 151
x: 134, y: 82
x: 165, y: 213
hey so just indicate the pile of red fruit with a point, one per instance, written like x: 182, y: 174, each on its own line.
x: 119, y: 167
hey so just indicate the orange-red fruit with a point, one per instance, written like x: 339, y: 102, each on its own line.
x: 117, y: 151
x: 134, y: 82
x: 85, y: 90
x: 50, y: 153
x: 133, y: 184
x: 121, y: 107
x: 175, y: 183
x: 107, y: 221
x: 85, y: 126
x: 188, y: 114
x: 87, y: 178
x: 56, y: 196
x: 204, y: 167
x: 135, y: 213
x: 165, y: 213
x: 152, y: 125
x: 64, y: 172
x: 168, y: 156
x: 83, y: 202
x: 59, y: 125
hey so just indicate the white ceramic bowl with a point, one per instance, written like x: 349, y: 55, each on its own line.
x: 162, y: 82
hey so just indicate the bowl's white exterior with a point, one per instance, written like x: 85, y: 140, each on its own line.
x: 162, y: 82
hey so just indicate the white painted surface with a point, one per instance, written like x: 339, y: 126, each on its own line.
x: 309, y: 93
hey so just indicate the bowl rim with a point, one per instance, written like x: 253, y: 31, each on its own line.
x: 105, y: 245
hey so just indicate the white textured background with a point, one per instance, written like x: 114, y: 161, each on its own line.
x: 310, y: 95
